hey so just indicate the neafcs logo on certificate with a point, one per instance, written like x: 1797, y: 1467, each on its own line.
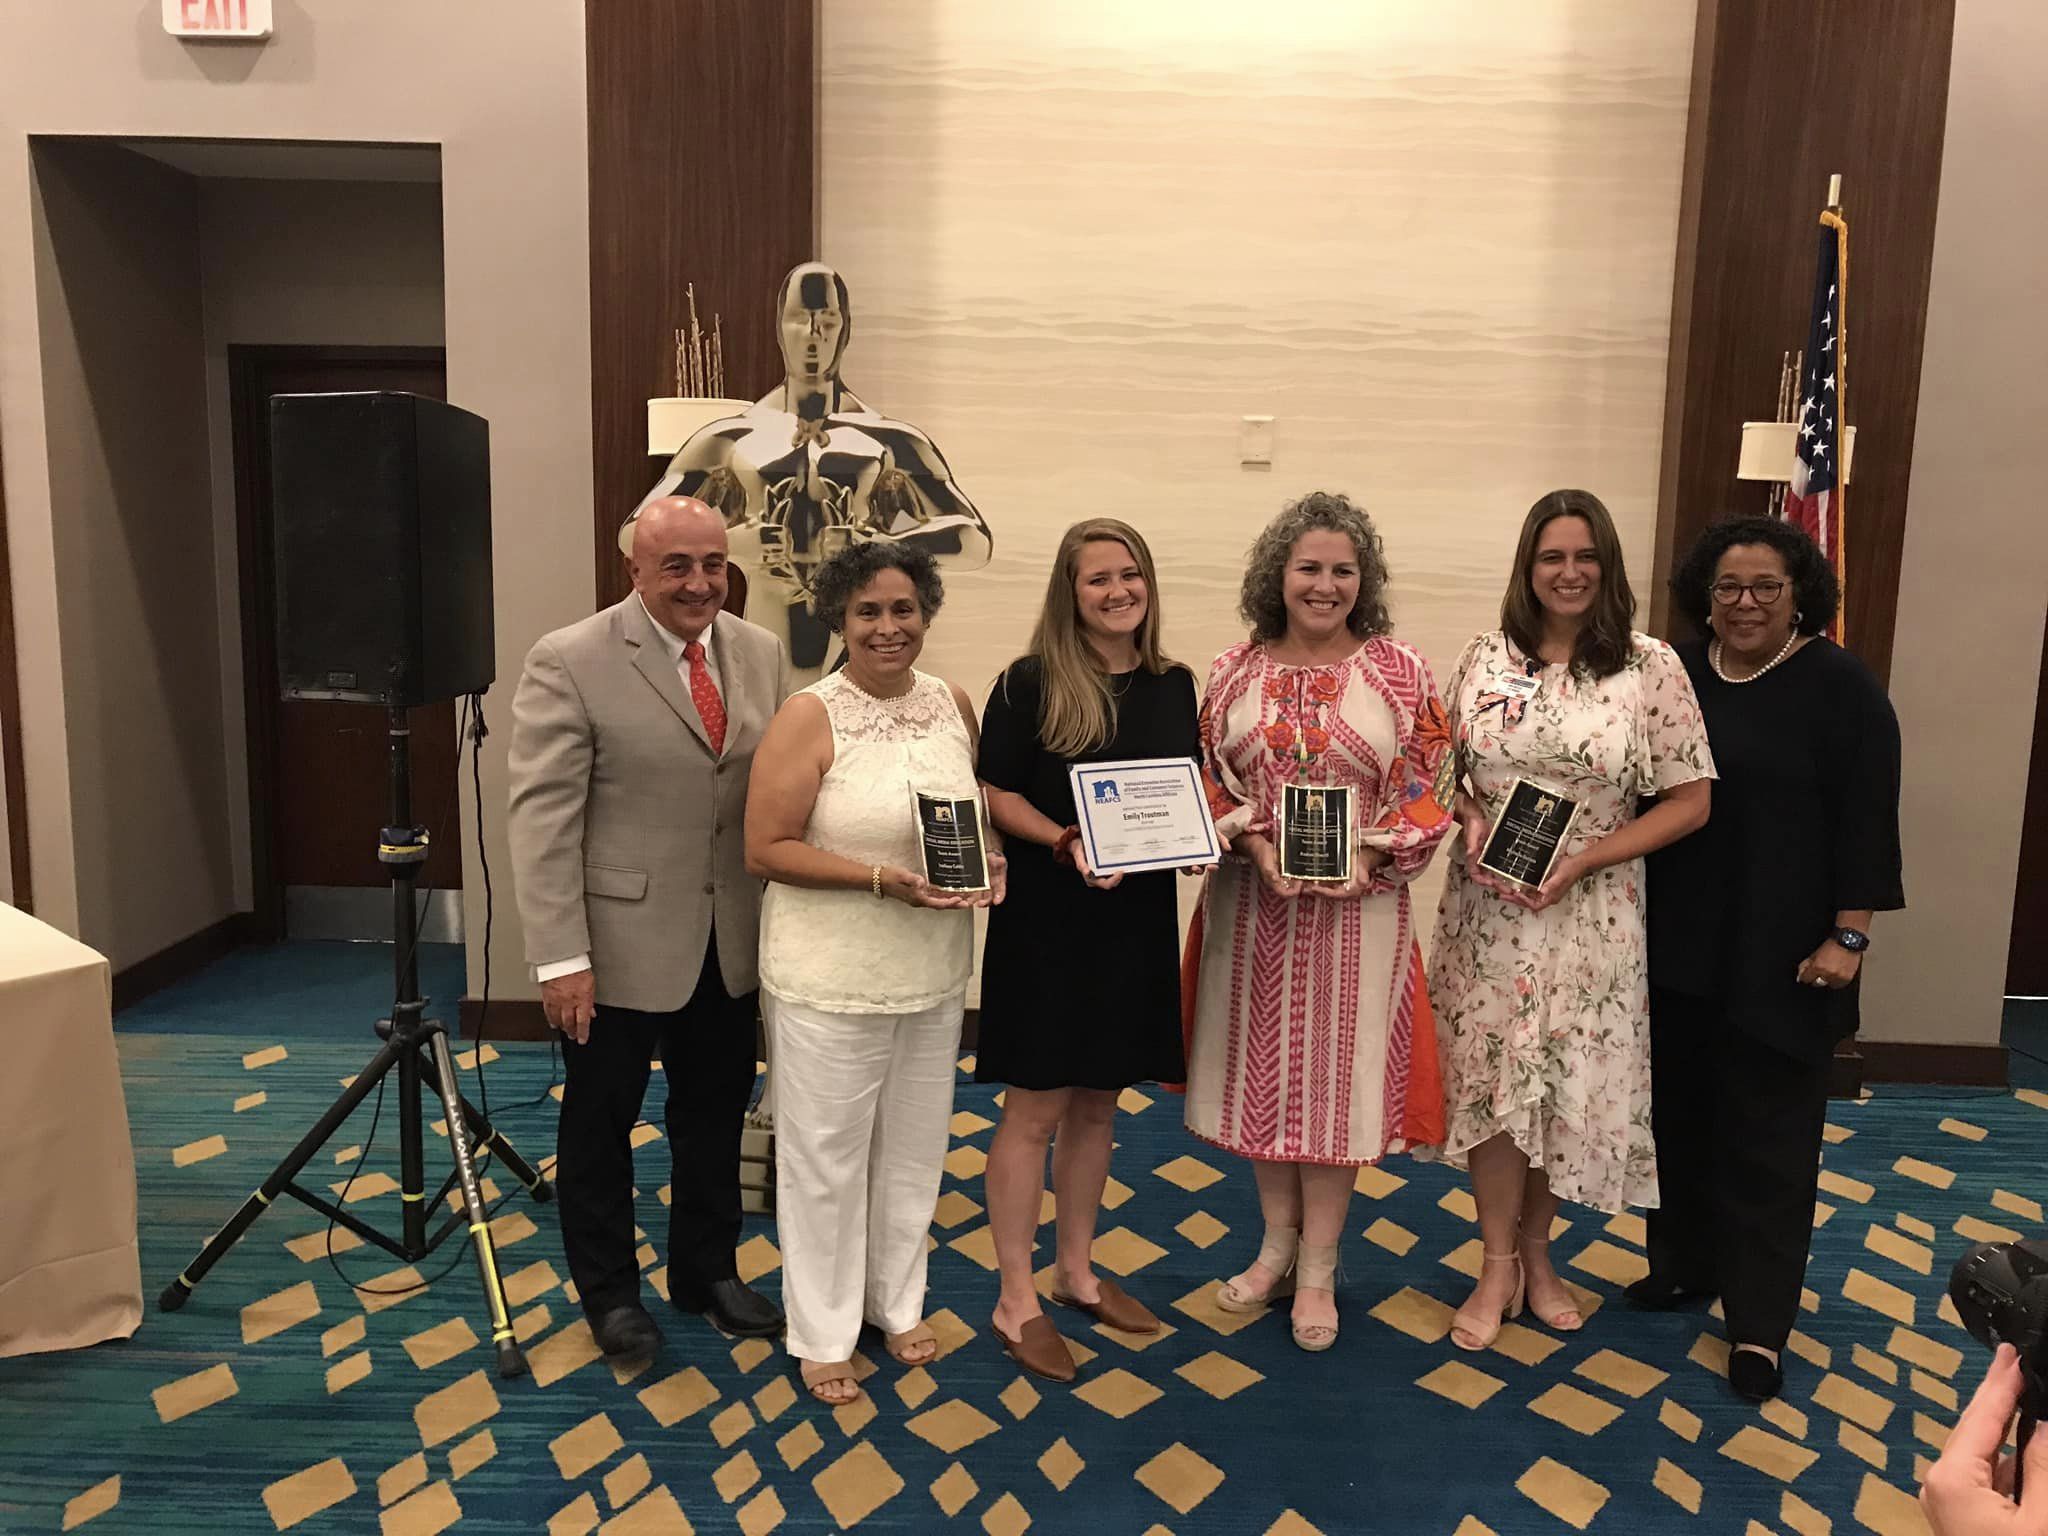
x: 1316, y: 827
x: 952, y: 839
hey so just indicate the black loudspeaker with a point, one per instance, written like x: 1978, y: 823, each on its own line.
x: 382, y: 514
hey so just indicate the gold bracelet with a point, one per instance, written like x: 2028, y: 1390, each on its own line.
x: 875, y: 880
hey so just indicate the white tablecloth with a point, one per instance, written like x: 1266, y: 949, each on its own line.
x: 69, y: 1271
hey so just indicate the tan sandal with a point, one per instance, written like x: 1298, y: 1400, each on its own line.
x: 1564, y: 1319
x: 900, y: 1345
x: 1277, y: 1251
x: 819, y: 1375
x: 1472, y: 1335
x: 1315, y: 1269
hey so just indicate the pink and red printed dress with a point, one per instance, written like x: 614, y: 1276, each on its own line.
x: 1312, y: 1037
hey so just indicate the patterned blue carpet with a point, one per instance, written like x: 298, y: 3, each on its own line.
x: 280, y: 1398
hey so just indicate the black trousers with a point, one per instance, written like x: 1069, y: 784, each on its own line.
x: 1738, y: 1127
x: 707, y: 1056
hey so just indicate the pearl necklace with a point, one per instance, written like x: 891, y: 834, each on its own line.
x: 1714, y: 660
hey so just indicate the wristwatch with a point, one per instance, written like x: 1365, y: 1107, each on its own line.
x: 1852, y: 940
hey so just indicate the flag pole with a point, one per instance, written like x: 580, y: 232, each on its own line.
x: 1839, y: 508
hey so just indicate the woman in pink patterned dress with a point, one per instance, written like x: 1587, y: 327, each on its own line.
x: 1313, y: 1047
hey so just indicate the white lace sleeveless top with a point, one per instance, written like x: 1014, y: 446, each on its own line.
x: 844, y: 950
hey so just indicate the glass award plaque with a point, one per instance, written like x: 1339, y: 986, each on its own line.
x: 952, y: 838
x: 1523, y: 846
x: 1315, y: 832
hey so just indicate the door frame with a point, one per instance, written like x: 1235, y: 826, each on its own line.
x: 13, y: 781
x: 249, y: 366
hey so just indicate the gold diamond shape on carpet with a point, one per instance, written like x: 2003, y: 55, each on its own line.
x: 1420, y: 1317
x: 1291, y: 1524
x: 1677, y: 1485
x: 1460, y: 1383
x: 396, y: 1482
x: 1124, y: 1252
x: 1924, y: 1352
x: 1784, y: 1418
x: 1972, y: 1230
x: 1680, y: 1420
x: 1061, y: 1464
x: 443, y: 1415
x: 800, y: 1445
x: 1465, y: 1258
x: 978, y: 1245
x: 1575, y: 1410
x: 441, y: 1343
x: 1005, y: 1517
x: 577, y: 1450
x: 471, y: 1454
x: 1881, y: 1297
x: 736, y: 1477
x: 273, y: 1314
x: 950, y: 1331
x: 1872, y: 1363
x: 1617, y: 1266
x: 92, y: 1503
x: 1844, y: 1188
x: 1932, y: 1174
x: 1899, y: 1249
x: 656, y: 1515
x: 1200, y: 1304
x: 1189, y: 1173
x: 1218, y: 1375
x: 1393, y: 1237
x: 675, y: 1398
x: 966, y: 1162
x: 954, y: 1489
x: 733, y: 1423
x: 1618, y: 1373
x: 756, y: 1257
x: 1799, y: 1516
x: 1460, y: 1204
x: 1118, y: 1393
x: 1525, y: 1346
x: 188, y: 1394
x: 1180, y: 1477
x: 1770, y: 1454
x: 1376, y: 1183
x: 427, y: 1513
x: 1202, y: 1229
x: 305, y: 1494
x: 761, y: 1514
x: 968, y: 1123
x: 1859, y: 1405
x: 2016, y: 1205
x: 1886, y: 1510
x: 952, y: 1426
x: 1556, y: 1488
x: 1913, y: 1226
x: 578, y: 1517
x: 857, y: 1484
x: 954, y: 1208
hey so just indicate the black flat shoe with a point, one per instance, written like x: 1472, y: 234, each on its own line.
x: 1653, y: 1293
x: 734, y: 1307
x: 626, y: 1332
x: 1753, y: 1376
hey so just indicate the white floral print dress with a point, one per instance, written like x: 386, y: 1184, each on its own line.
x: 1544, y: 1017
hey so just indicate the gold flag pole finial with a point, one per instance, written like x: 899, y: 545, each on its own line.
x: 1835, y: 190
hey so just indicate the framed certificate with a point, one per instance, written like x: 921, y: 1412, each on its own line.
x: 1146, y: 814
x: 1527, y: 835
x: 1315, y: 832
x: 952, y: 839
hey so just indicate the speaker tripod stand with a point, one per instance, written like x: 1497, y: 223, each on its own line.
x: 415, y: 1047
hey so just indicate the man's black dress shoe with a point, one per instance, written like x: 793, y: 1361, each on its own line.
x: 1753, y: 1376
x: 1653, y: 1293
x: 625, y: 1331
x: 732, y: 1306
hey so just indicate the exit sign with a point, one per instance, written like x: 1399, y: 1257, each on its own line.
x: 226, y: 20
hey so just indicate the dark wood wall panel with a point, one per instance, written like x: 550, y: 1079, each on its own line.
x: 702, y: 170
x: 1784, y: 95
x: 13, y: 781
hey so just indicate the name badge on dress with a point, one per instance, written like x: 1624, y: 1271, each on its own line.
x: 1519, y: 685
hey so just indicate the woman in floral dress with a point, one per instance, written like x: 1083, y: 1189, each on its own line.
x: 1311, y: 1051
x: 1542, y: 992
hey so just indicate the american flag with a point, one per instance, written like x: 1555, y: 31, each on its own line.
x: 1814, y: 499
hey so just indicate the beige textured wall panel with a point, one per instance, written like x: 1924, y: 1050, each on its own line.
x: 1434, y: 243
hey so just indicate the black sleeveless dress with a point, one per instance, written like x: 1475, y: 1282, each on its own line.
x: 1080, y: 988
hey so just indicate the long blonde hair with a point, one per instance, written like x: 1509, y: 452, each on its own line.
x: 1077, y: 711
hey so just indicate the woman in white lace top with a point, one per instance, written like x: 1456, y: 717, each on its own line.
x: 864, y: 964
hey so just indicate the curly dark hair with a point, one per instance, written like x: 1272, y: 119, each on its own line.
x: 1260, y: 601
x: 1814, y: 589
x: 836, y: 582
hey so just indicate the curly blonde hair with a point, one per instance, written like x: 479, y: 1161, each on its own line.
x: 1260, y: 601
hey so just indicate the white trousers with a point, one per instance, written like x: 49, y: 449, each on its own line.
x: 863, y: 1102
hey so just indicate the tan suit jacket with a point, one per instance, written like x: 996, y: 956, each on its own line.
x: 627, y: 836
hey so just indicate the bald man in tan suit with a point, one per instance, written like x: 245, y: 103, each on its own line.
x: 633, y: 733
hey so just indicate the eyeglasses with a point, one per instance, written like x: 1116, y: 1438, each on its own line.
x: 1766, y: 592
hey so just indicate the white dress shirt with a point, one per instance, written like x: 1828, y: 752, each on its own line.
x: 674, y: 644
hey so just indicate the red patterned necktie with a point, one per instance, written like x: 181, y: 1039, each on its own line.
x: 704, y: 694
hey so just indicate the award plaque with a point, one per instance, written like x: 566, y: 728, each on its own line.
x: 953, y: 840
x: 1315, y: 832
x: 1526, y: 838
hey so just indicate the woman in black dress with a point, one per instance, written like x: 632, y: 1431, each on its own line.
x: 1757, y: 927
x: 1080, y: 979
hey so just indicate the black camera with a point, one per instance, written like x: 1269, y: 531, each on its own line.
x: 2001, y: 1294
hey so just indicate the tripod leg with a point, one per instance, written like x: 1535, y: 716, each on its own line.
x: 511, y: 1361
x: 180, y: 1290
x: 484, y: 1134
